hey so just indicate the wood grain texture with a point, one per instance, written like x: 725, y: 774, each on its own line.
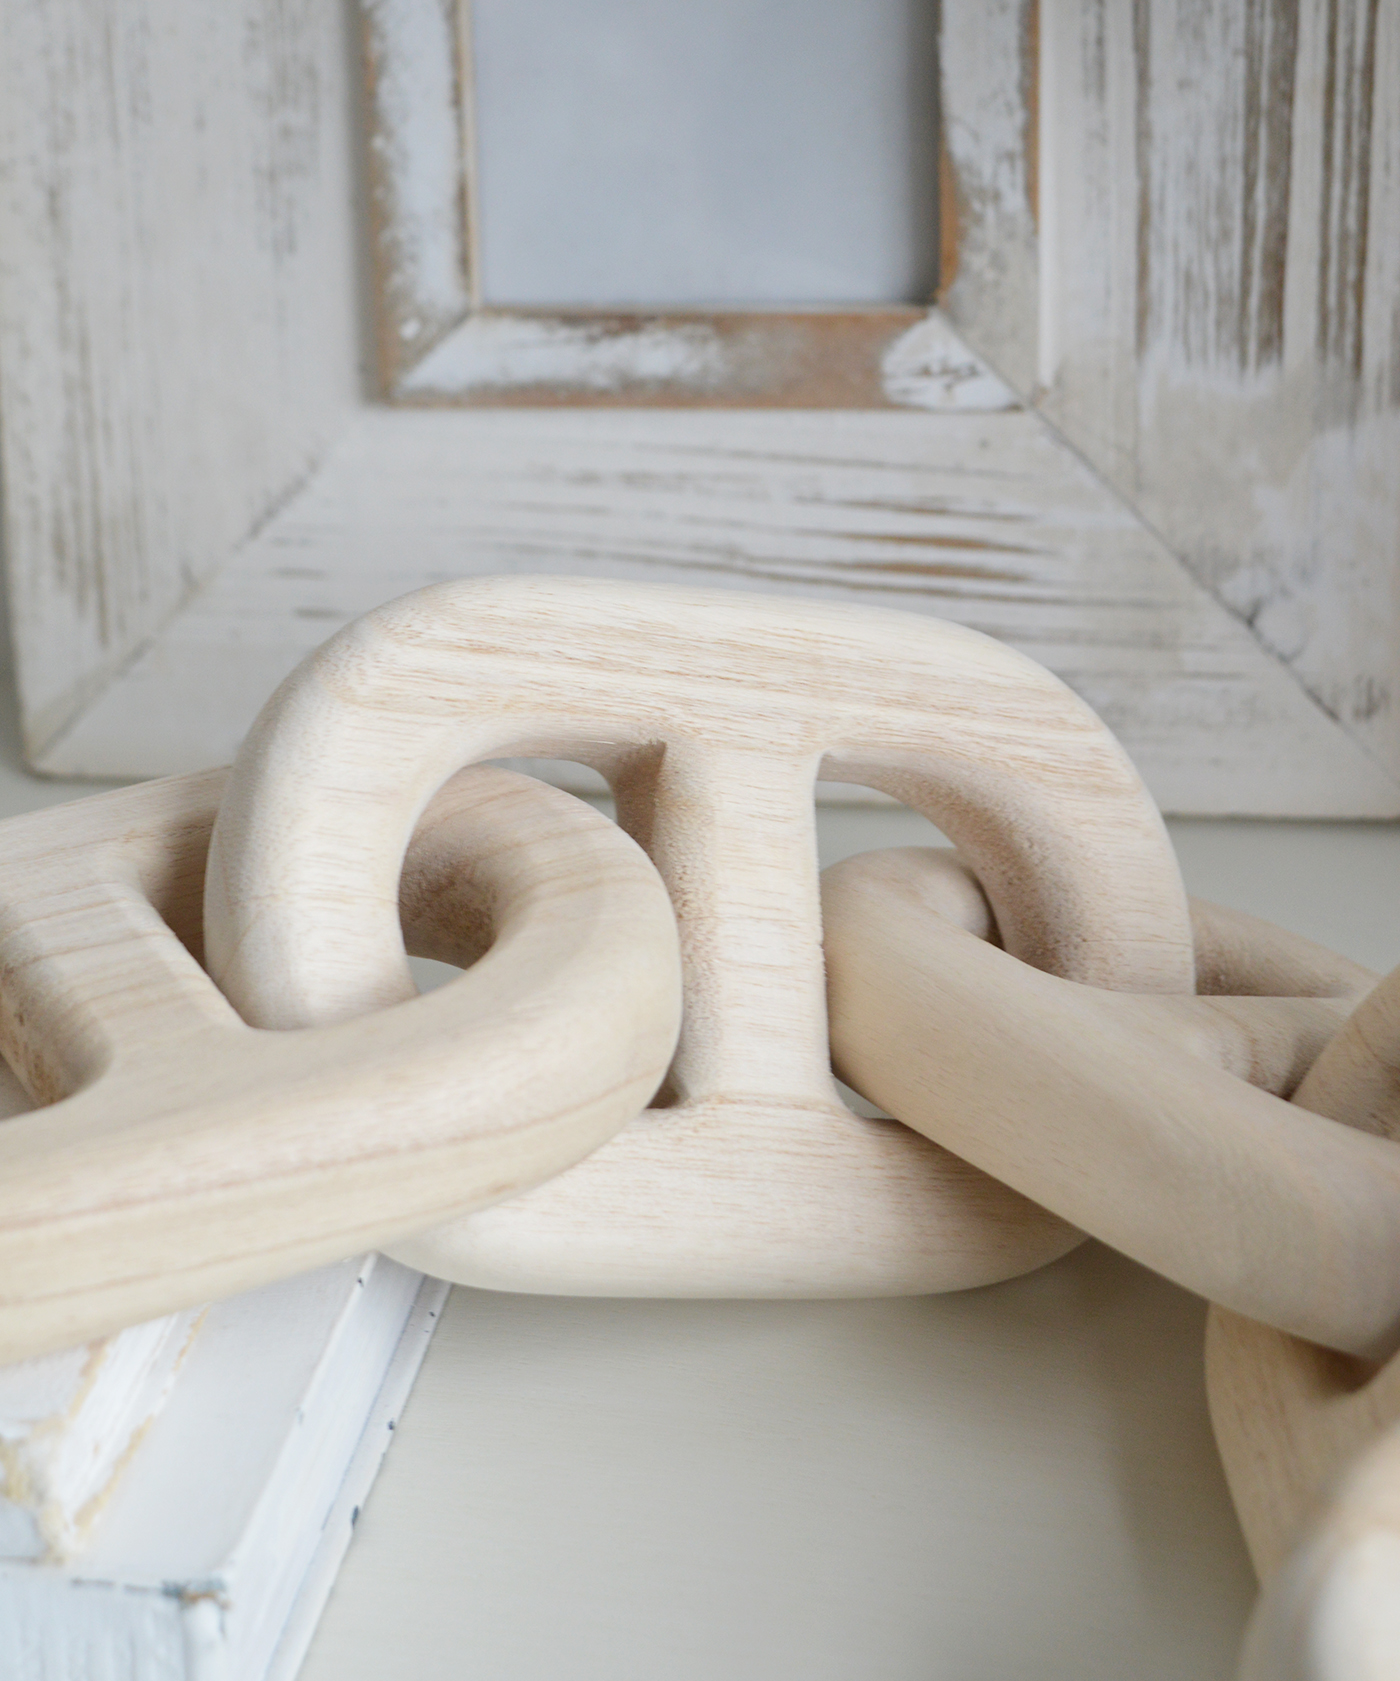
x: 989, y: 77
x: 711, y: 714
x: 209, y: 1157
x: 1311, y: 1443
x: 765, y: 359
x: 1217, y: 265
x: 177, y: 308
x: 178, y: 350
x: 983, y: 518
x: 438, y: 346
x: 1151, y: 1132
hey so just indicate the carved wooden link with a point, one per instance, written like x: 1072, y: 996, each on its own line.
x: 1025, y: 1009
x: 712, y: 714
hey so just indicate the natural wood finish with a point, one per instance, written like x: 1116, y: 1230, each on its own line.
x: 1130, y: 1117
x: 190, y: 1156
x: 730, y: 359
x: 1310, y: 1441
x: 711, y: 714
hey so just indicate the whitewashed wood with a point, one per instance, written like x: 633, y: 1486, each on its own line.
x: 989, y: 70
x: 211, y: 1157
x: 418, y: 175
x: 983, y: 518
x: 711, y: 715
x: 216, y: 1552
x: 1215, y: 242
x: 68, y: 1425
x: 178, y: 316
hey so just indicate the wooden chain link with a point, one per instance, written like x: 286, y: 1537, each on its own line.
x: 1028, y: 1007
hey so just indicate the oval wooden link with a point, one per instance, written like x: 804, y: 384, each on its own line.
x: 1129, y: 1117
x: 712, y: 714
x: 1310, y: 1440
x: 189, y: 1155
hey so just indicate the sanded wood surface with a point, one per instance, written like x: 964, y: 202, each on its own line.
x: 711, y: 715
x: 187, y: 1155
x: 1311, y: 1442
x: 1138, y: 1137
x: 1147, y: 1132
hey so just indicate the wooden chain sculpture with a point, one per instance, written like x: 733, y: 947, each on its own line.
x: 185, y: 1154
x: 1071, y: 1048
x: 711, y: 714
x: 1146, y: 1135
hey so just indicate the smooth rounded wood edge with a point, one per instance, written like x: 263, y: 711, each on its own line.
x: 1117, y: 1112
x: 207, y: 1157
x: 711, y: 713
x: 949, y: 1227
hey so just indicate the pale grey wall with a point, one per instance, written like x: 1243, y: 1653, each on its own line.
x: 706, y: 151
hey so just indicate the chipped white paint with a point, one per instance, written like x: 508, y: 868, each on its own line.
x: 504, y: 352
x: 418, y: 171
x: 930, y: 367
x: 69, y: 1421
x: 982, y: 518
x: 177, y: 307
x: 160, y: 467
x: 1218, y: 258
x: 218, y: 1548
x: 988, y: 281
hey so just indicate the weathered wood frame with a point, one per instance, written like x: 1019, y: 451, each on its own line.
x: 1149, y: 437
x: 436, y: 341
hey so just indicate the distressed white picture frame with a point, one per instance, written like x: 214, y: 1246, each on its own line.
x: 1154, y: 447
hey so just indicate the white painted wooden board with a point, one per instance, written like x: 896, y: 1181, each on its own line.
x: 982, y: 517
x: 69, y: 1423
x: 1175, y: 228
x: 220, y: 1543
x: 177, y: 306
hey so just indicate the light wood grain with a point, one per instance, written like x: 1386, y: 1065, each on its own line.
x: 1131, y: 1118
x: 981, y: 517
x: 712, y: 715
x: 1310, y: 1442
x: 189, y: 1155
